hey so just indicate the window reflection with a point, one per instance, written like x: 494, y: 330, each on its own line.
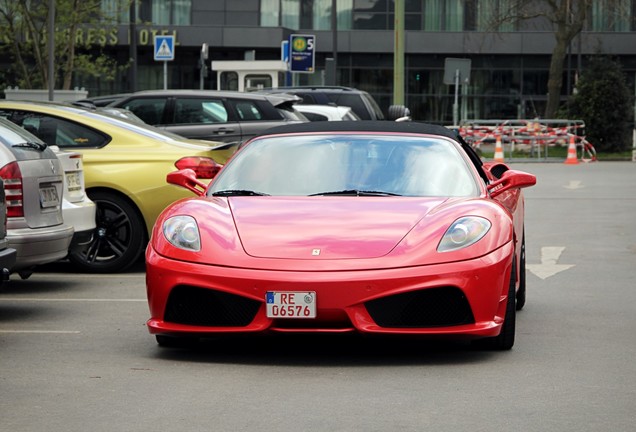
x: 328, y: 164
x: 158, y: 12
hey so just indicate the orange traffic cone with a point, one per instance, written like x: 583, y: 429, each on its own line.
x: 572, y: 159
x: 499, y: 154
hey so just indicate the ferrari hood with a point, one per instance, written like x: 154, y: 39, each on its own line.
x: 325, y: 227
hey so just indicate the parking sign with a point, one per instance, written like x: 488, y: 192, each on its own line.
x: 302, y: 53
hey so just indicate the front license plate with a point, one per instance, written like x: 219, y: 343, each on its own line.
x: 48, y: 196
x: 286, y: 304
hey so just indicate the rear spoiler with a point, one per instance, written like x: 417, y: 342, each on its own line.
x: 281, y: 99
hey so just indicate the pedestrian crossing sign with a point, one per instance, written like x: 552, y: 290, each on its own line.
x: 164, y: 48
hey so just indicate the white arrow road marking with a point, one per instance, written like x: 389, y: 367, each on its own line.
x: 574, y: 184
x: 549, y: 267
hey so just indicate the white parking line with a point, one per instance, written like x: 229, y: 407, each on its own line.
x: 42, y: 331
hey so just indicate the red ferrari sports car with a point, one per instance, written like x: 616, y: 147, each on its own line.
x: 372, y: 227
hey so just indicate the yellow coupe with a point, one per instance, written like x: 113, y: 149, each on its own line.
x: 125, y: 168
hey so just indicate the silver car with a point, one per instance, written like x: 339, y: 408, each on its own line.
x: 33, y: 184
x: 7, y: 254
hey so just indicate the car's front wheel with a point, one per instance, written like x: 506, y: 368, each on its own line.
x: 119, y: 237
x: 521, y: 292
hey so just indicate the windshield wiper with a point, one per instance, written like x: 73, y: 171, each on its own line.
x: 238, y: 192
x: 356, y: 192
x: 31, y: 144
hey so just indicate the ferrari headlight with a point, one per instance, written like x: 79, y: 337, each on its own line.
x: 463, y: 232
x: 182, y: 232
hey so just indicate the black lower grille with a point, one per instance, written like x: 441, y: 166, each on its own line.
x: 433, y: 307
x: 204, y: 307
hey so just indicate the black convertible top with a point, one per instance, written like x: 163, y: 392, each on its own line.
x: 366, y: 126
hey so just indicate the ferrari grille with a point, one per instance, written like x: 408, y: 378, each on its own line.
x: 433, y: 307
x: 204, y: 307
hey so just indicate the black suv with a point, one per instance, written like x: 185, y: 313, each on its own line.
x: 361, y: 102
x: 226, y: 116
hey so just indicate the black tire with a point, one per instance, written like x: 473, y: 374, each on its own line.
x: 521, y: 292
x: 506, y: 338
x: 175, y: 341
x: 119, y: 238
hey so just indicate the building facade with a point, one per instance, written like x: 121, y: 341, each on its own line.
x: 509, y: 63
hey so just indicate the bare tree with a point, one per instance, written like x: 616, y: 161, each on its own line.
x: 566, y: 18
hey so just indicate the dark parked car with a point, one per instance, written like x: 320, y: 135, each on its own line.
x: 361, y: 102
x: 226, y: 116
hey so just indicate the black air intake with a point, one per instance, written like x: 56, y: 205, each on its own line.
x: 432, y: 307
x: 204, y: 307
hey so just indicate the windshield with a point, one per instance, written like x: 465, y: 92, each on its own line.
x: 13, y: 135
x: 347, y: 164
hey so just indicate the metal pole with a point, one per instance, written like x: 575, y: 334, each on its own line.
x: 456, y: 102
x: 398, y: 55
x: 203, y: 72
x: 51, y: 43
x: 165, y: 75
x: 334, y: 37
x: 133, y: 47
x: 634, y: 131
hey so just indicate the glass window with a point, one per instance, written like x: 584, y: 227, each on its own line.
x: 166, y: 12
x: 320, y: 12
x: 371, y: 15
x: 150, y: 110
x: 229, y: 81
x: 611, y: 15
x: 270, y: 13
x: 61, y: 132
x: 489, y: 15
x: 199, y: 111
x: 257, y: 82
x: 315, y: 116
x: 248, y: 111
x: 116, y: 10
x: 378, y: 14
x: 371, y: 5
x: 370, y: 21
x: 306, y: 14
x: 345, y: 8
x: 443, y: 15
x: 290, y: 14
x: 319, y: 164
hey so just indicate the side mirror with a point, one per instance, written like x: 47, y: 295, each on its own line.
x: 511, y: 179
x: 187, y: 178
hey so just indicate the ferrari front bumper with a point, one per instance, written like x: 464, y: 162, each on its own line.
x: 465, y: 298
